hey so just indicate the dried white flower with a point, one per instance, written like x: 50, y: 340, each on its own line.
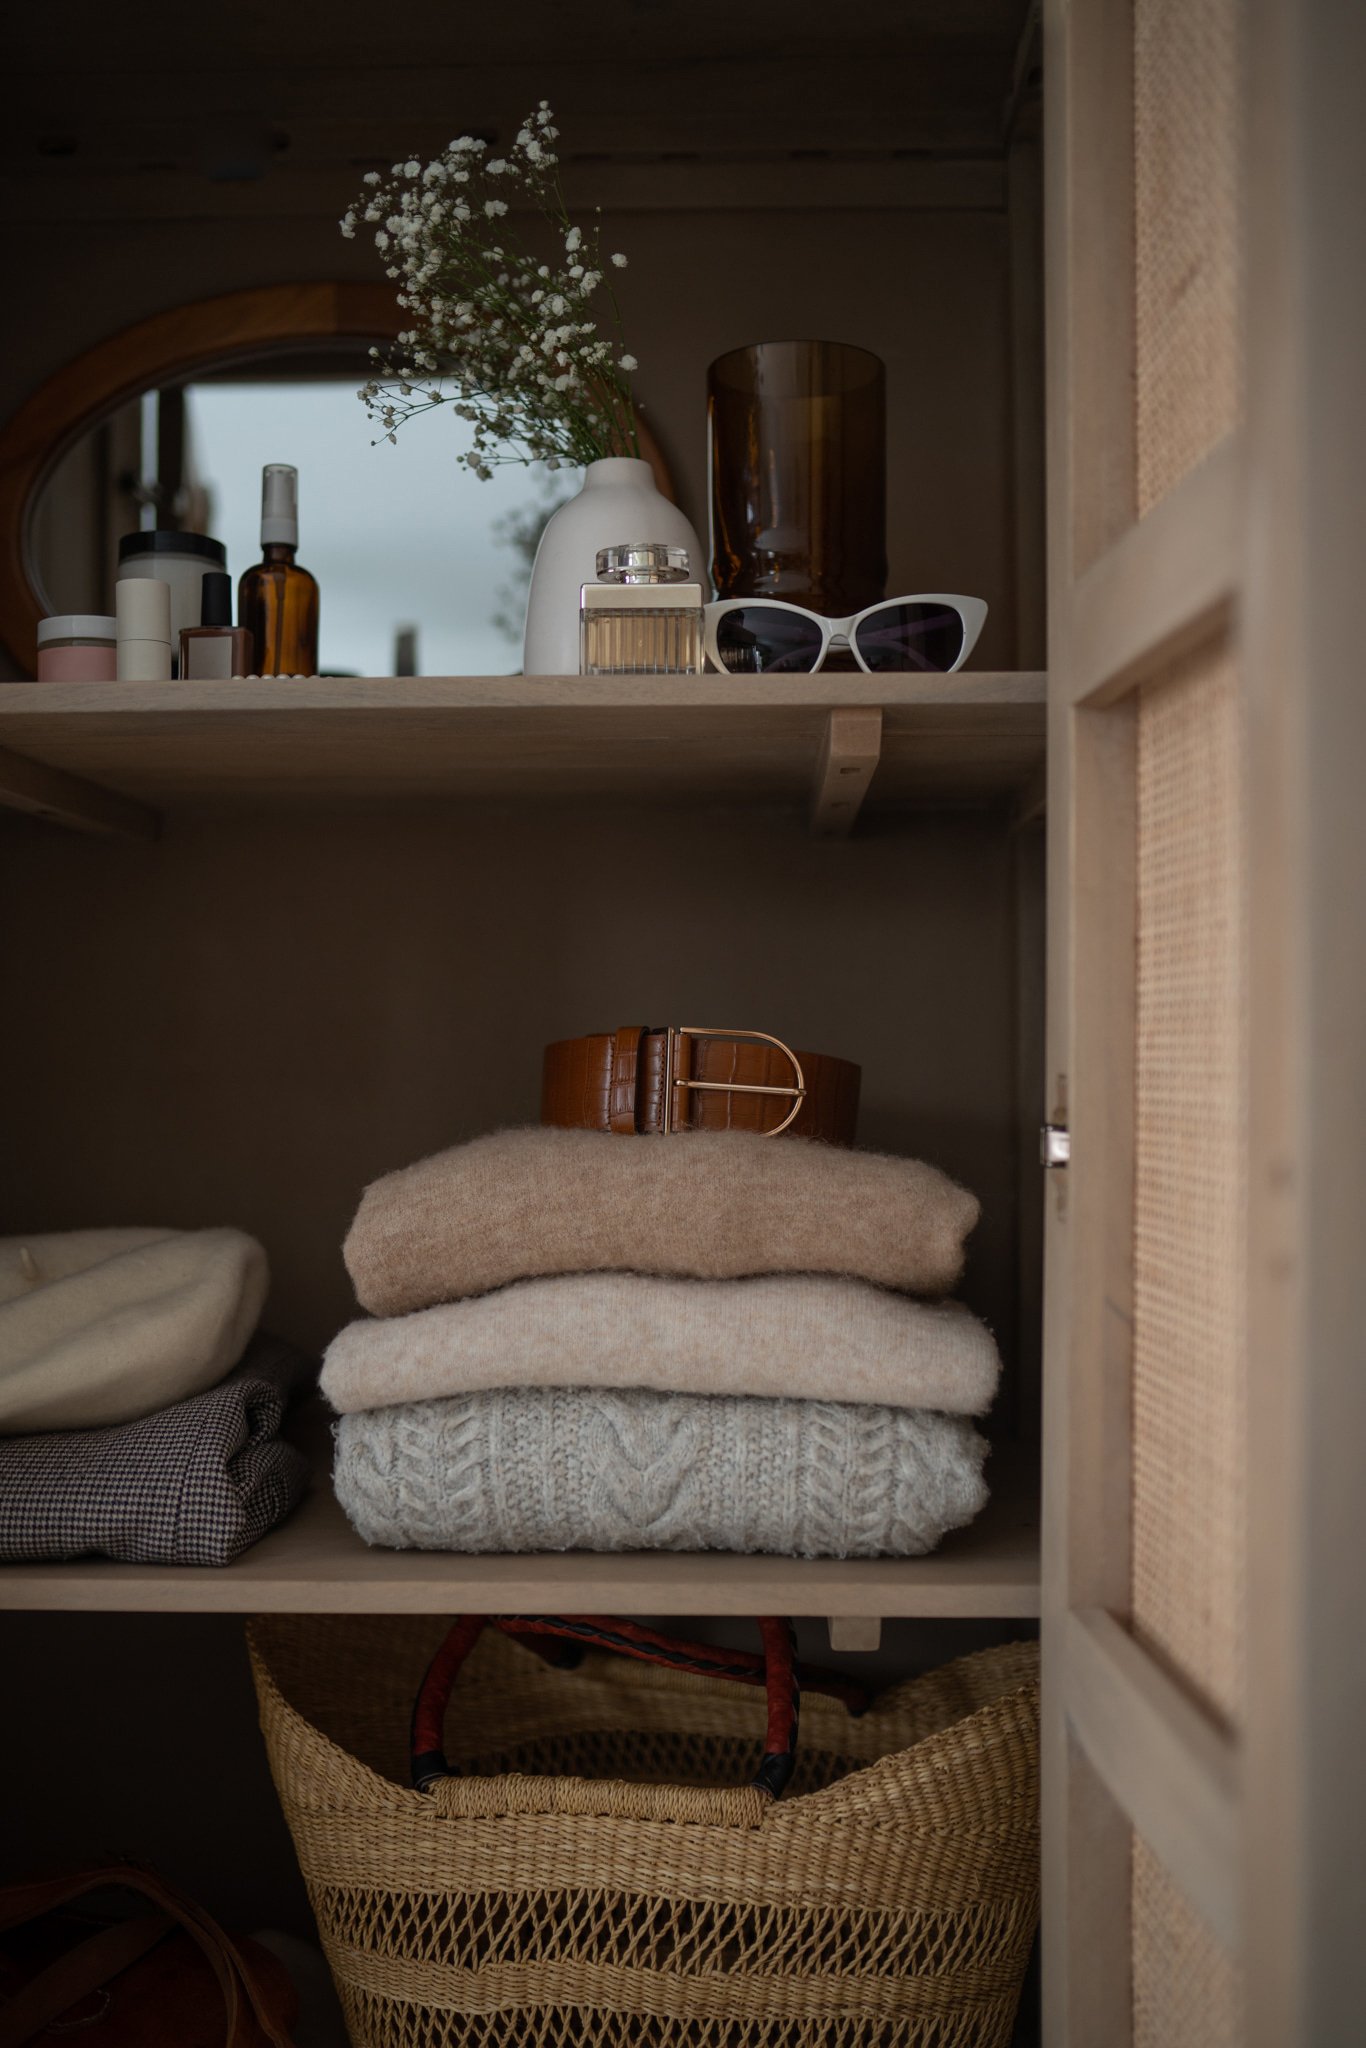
x: 488, y: 332
x: 619, y: 260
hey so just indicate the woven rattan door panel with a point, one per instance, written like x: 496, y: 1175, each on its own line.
x: 1186, y: 239
x: 1190, y: 1267
x: 1187, y: 1992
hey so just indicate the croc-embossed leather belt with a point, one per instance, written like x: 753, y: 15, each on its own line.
x: 639, y: 1078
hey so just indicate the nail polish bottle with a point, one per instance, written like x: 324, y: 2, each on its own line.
x: 215, y: 647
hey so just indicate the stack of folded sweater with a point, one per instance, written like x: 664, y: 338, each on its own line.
x: 139, y: 1415
x: 707, y: 1341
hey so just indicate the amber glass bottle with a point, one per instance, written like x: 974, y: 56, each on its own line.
x: 277, y: 601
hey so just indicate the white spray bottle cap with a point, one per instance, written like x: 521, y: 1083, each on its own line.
x: 280, y: 504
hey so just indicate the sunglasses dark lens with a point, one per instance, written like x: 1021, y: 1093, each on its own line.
x: 760, y: 640
x: 911, y: 636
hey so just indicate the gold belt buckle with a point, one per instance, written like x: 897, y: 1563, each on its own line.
x: 673, y: 1080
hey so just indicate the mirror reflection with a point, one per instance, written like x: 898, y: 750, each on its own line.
x: 423, y: 568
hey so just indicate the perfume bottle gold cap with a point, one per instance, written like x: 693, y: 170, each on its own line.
x: 642, y: 562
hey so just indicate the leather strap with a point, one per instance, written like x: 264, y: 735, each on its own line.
x: 86, y: 1968
x: 247, y: 2016
x: 621, y: 1096
x: 615, y: 1081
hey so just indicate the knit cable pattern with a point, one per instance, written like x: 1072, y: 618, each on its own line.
x: 524, y: 1469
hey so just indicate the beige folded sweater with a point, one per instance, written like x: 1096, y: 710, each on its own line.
x: 805, y: 1336
x: 103, y: 1326
x: 712, y: 1205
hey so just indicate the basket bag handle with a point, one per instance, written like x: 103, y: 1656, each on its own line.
x: 562, y: 1639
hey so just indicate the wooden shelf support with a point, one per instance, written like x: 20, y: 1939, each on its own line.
x: 70, y: 800
x: 849, y: 754
x: 853, y: 1632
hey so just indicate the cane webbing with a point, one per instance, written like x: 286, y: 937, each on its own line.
x: 1190, y: 1174
x: 1187, y: 1988
x: 888, y: 1903
x: 1186, y: 235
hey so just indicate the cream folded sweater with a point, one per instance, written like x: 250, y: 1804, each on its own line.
x: 103, y: 1326
x: 580, y: 1469
x: 712, y: 1205
x: 809, y: 1336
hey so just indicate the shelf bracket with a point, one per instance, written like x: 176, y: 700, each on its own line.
x: 850, y: 751
x: 855, y: 1632
x: 63, y: 799
x: 1031, y: 799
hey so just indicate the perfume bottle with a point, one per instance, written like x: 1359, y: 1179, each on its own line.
x: 215, y: 648
x: 643, y: 616
x: 277, y: 601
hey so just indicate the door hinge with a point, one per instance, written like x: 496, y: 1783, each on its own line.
x: 1055, y: 1145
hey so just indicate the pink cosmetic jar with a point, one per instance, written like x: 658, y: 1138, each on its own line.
x: 77, y: 647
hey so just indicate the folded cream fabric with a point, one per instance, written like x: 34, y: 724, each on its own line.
x: 575, y: 1469
x: 103, y: 1326
x: 710, y: 1204
x: 808, y: 1335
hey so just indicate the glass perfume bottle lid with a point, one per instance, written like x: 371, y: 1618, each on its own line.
x: 642, y: 561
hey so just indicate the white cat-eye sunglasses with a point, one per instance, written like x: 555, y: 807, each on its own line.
x: 930, y: 634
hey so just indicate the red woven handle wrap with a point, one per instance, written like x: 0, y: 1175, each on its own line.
x: 775, y: 1670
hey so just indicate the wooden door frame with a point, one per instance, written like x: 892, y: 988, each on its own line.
x: 1264, y: 1834
x: 1125, y: 1747
x: 1302, y: 528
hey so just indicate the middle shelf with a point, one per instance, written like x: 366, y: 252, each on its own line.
x: 315, y: 1563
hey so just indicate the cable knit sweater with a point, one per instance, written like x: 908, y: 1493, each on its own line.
x: 710, y: 1204
x: 572, y: 1469
x: 793, y: 1334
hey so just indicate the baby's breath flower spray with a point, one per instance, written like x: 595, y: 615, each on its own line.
x: 501, y: 331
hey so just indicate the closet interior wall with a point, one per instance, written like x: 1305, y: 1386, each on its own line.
x: 274, y: 1003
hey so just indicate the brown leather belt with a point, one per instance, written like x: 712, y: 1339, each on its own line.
x: 694, y: 1077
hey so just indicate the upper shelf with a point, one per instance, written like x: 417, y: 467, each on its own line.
x: 955, y: 739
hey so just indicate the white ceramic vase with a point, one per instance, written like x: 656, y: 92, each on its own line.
x: 618, y: 503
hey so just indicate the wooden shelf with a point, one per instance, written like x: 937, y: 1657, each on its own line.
x: 945, y: 739
x: 316, y: 1564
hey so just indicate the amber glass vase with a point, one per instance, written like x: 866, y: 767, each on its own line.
x: 798, y: 443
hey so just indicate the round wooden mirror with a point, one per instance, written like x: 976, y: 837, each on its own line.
x: 85, y: 459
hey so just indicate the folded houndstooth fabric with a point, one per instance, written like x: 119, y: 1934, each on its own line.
x: 197, y: 1483
x: 709, y: 1204
x: 575, y: 1469
x: 798, y: 1334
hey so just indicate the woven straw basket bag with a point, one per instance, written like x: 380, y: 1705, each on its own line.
x: 581, y: 1878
